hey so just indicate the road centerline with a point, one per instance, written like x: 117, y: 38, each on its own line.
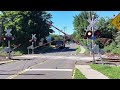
x: 49, y: 70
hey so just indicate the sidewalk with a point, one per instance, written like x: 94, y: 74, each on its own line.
x: 82, y: 49
x: 90, y: 73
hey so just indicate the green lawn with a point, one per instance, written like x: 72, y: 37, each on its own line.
x: 79, y: 75
x: 111, y: 72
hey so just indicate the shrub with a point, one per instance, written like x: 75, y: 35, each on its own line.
x: 107, y: 48
x: 116, y: 51
x: 110, y: 47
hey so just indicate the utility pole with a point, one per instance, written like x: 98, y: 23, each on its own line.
x: 90, y: 33
x: 64, y: 34
x: 0, y: 33
x: 91, y: 28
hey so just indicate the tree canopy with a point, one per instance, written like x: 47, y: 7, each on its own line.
x: 26, y: 23
x: 109, y: 37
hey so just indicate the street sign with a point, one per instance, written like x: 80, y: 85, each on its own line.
x: 93, y: 38
x: 48, y: 38
x: 116, y: 21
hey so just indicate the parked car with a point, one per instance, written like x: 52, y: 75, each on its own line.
x: 60, y: 44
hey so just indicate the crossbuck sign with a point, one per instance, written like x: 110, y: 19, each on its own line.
x: 92, y: 24
x: 8, y: 34
x: 33, y: 37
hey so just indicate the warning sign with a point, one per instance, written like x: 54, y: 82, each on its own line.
x: 116, y: 21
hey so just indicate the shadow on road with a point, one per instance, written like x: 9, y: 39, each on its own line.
x: 20, y: 59
x: 66, y: 49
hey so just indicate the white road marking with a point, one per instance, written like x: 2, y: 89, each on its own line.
x: 49, y: 70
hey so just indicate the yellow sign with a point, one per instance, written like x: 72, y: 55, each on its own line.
x: 116, y: 21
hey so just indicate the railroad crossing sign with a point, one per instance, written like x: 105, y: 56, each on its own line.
x: 116, y: 21
x: 92, y: 24
x: 33, y: 37
x: 8, y: 34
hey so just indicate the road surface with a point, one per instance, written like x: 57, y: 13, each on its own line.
x: 57, y: 64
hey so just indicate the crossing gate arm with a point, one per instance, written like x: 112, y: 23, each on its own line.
x: 77, y: 42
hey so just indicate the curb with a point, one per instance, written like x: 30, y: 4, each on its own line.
x: 5, y: 62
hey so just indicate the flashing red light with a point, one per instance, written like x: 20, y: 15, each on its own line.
x: 88, y: 34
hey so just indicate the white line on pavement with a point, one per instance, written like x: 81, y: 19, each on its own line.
x: 49, y: 70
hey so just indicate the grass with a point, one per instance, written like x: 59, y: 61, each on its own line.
x: 15, y: 53
x: 111, y: 72
x: 78, y: 50
x: 79, y: 75
x: 86, y: 50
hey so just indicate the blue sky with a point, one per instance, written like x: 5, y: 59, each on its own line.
x: 63, y: 19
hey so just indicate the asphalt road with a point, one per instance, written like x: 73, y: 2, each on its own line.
x: 57, y: 64
x: 51, y: 65
x: 49, y: 69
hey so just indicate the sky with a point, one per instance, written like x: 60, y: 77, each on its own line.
x: 65, y: 19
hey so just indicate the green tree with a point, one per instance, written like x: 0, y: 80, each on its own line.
x: 106, y: 28
x: 25, y: 23
x: 80, y: 23
x: 117, y: 39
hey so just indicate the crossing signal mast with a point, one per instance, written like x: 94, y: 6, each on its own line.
x: 77, y: 42
x: 92, y: 33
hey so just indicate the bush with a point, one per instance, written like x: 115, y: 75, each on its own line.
x: 116, y: 51
x: 110, y: 47
x: 107, y: 48
x: 1, y: 48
